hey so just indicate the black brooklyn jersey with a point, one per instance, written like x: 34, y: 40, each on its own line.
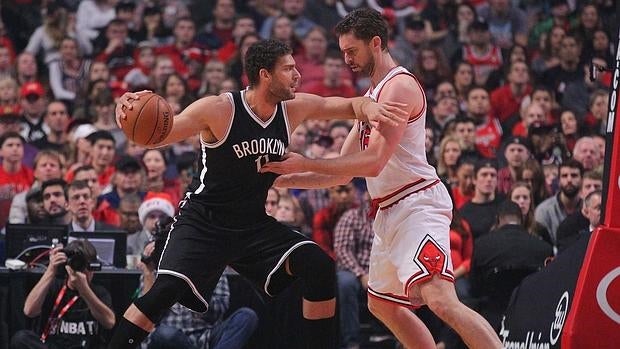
x: 227, y: 179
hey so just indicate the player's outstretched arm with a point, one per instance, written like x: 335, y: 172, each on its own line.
x: 382, y: 141
x: 202, y: 115
x: 311, y: 180
x: 308, y: 106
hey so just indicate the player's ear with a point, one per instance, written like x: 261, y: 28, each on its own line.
x: 376, y: 42
x: 264, y: 74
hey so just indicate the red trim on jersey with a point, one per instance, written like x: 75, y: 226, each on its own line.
x: 419, y: 114
x: 379, y: 294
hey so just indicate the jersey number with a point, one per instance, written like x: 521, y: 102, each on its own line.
x: 260, y: 161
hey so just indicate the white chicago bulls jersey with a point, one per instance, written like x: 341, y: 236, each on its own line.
x: 407, y: 171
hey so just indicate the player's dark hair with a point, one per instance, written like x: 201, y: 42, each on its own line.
x: 264, y: 55
x: 364, y: 24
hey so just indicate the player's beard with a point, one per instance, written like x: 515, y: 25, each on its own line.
x: 282, y: 92
x: 369, y: 67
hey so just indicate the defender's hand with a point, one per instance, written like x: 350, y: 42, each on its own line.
x: 290, y: 163
x: 391, y: 113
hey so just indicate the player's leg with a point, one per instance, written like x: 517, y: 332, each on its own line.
x: 402, y: 322
x: 441, y: 298
x: 318, y: 272
x: 142, y: 315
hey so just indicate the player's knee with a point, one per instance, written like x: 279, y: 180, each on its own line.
x: 165, y: 292
x: 317, y: 270
x: 439, y: 307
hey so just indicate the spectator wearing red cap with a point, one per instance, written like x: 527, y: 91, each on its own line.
x: 154, y: 207
x: 15, y: 177
x: 33, y: 103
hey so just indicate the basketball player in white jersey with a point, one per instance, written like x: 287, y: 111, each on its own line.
x: 410, y: 260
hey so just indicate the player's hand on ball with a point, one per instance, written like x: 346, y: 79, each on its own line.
x: 124, y: 101
x: 290, y: 163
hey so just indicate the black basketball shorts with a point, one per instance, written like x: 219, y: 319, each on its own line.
x: 198, y: 250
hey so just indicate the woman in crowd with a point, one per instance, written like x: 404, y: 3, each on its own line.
x: 213, y: 76
x: 175, y: 91
x: 570, y: 128
x: 431, y: 68
x: 533, y: 175
x: 521, y: 194
x: 155, y: 164
x: 449, y: 152
x: 463, y: 80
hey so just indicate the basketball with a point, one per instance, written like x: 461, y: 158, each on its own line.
x: 149, y: 121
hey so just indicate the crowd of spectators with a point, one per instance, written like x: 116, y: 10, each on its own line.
x: 513, y: 115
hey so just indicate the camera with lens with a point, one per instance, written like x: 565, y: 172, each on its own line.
x: 160, y: 235
x: 78, y: 262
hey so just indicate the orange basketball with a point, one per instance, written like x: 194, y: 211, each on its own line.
x: 149, y: 121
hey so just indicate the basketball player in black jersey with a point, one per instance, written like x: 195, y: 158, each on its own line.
x: 222, y: 219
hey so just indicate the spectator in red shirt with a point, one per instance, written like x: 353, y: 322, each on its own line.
x: 532, y: 115
x: 219, y: 31
x: 15, y: 177
x: 154, y: 162
x: 517, y: 152
x: 464, y: 189
x: 488, y: 129
x: 102, y: 158
x: 118, y: 50
x: 341, y: 199
x: 183, y: 48
x: 507, y: 99
x: 243, y: 24
x: 310, y: 60
x: 332, y: 83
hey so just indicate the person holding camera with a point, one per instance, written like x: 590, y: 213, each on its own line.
x: 73, y: 311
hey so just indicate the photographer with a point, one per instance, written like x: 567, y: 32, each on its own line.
x: 71, y: 309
